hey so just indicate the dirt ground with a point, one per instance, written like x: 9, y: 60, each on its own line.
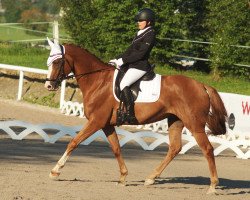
x: 92, y: 171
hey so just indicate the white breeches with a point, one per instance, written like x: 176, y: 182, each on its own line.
x: 131, y: 76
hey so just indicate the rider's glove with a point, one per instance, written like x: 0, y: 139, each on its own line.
x: 117, y: 62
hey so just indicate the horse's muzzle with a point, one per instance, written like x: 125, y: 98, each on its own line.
x: 49, y: 85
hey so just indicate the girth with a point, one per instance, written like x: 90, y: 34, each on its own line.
x: 135, y: 87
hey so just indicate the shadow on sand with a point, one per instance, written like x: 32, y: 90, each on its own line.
x: 225, y: 184
x: 199, y: 180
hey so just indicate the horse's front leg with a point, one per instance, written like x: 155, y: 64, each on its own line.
x: 87, y: 131
x: 114, y: 142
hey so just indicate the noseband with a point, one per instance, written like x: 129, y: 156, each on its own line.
x: 61, y: 75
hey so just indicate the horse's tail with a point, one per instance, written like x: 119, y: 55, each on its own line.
x: 217, y: 115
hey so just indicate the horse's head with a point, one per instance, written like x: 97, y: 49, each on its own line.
x: 58, y: 68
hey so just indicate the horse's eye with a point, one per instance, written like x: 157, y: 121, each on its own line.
x: 56, y: 62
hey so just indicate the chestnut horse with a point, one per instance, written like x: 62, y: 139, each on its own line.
x: 184, y: 101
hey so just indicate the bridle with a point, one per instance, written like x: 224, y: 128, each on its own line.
x: 62, y: 76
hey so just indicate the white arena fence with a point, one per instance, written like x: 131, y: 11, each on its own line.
x: 22, y: 70
x: 237, y: 138
x: 148, y: 140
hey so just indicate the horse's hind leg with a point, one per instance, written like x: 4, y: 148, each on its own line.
x: 114, y: 142
x: 89, y: 129
x: 175, y: 131
x: 208, y: 152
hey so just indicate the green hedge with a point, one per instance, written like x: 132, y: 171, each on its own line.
x: 107, y: 27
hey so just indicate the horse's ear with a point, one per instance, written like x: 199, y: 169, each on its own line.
x: 51, y: 44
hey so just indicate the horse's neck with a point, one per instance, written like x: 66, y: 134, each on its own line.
x: 94, y: 72
x: 84, y: 61
x: 93, y: 85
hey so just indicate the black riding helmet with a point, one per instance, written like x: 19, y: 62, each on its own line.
x: 145, y: 14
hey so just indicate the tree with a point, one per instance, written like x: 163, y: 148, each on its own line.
x: 48, y: 6
x: 179, y: 19
x: 14, y: 8
x: 34, y: 15
x: 228, y: 23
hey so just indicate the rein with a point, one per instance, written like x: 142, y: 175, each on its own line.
x: 61, y: 75
x: 85, y: 74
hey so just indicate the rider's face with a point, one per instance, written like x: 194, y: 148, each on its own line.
x: 142, y: 24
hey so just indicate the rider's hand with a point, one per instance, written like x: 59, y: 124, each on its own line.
x: 118, y: 62
x: 113, y: 61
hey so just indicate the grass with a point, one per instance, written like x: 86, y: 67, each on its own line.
x: 23, y: 55
x: 17, y: 32
x: 43, y: 100
x: 26, y: 55
x: 225, y: 84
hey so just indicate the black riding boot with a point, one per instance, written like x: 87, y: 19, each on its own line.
x: 128, y: 100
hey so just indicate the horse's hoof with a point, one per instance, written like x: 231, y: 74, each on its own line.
x: 149, y: 182
x: 54, y: 175
x: 211, y: 190
x: 121, y: 183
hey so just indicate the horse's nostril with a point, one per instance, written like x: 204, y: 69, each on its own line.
x: 49, y: 87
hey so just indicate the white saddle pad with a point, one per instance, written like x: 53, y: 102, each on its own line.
x: 150, y: 90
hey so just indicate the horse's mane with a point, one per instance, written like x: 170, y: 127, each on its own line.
x: 86, y: 52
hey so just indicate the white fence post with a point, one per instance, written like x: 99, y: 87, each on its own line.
x: 62, y: 95
x: 20, y: 86
x: 56, y: 40
x: 56, y: 32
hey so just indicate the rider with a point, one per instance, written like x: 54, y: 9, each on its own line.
x: 136, y: 58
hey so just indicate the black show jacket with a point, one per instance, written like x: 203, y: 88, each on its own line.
x: 137, y: 54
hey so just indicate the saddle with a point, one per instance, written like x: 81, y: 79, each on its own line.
x: 135, y: 87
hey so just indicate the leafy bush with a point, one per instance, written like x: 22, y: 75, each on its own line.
x: 106, y: 28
